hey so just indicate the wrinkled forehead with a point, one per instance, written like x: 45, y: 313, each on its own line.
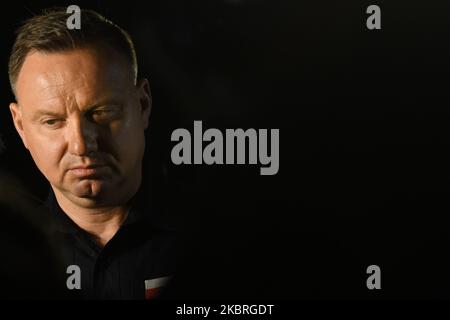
x: 82, y: 74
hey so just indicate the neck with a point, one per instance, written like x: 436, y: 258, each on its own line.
x: 101, y: 223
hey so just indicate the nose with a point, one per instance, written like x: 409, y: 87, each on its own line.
x: 82, y: 137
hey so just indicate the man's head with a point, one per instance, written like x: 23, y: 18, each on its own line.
x: 80, y: 111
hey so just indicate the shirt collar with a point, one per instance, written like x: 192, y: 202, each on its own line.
x: 141, y: 211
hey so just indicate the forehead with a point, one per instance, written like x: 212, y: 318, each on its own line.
x: 81, y: 74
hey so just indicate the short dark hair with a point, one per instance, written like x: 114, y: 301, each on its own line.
x: 48, y: 32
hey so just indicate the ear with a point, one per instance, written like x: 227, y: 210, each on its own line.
x: 16, y: 113
x: 145, y: 100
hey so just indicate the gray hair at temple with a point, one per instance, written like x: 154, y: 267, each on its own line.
x: 48, y: 33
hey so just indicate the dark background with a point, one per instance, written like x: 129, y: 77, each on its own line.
x: 364, y: 137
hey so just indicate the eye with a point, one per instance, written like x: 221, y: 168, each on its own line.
x: 52, y: 123
x: 102, y: 115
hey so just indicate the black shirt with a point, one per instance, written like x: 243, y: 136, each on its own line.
x: 142, y: 249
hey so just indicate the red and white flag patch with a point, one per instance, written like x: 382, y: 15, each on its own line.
x: 153, y: 286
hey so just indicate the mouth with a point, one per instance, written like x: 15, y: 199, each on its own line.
x: 87, y: 171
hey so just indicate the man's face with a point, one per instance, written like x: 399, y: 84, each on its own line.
x: 83, y: 119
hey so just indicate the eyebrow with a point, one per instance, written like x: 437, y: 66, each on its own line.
x: 113, y: 103
x: 38, y: 114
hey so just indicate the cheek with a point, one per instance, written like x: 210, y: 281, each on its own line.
x: 47, y: 153
x: 129, y: 140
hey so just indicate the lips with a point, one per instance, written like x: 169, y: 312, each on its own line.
x: 85, y: 171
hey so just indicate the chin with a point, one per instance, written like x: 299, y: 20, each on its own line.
x: 89, y: 189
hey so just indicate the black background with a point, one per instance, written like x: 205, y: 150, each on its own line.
x: 363, y: 118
